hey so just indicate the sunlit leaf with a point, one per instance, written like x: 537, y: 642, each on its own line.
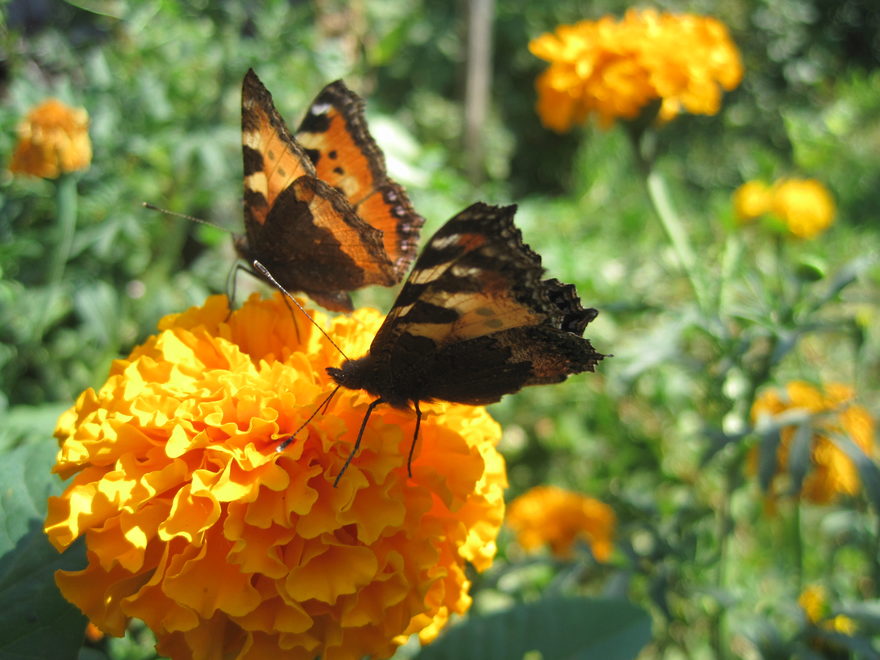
x: 563, y: 628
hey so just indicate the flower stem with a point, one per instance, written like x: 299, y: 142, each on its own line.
x: 798, y: 545
x: 659, y: 195
x: 66, y: 210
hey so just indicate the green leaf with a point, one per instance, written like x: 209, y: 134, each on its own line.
x: 559, y: 628
x: 847, y: 274
x: 30, y: 423
x: 800, y: 456
x: 37, y: 622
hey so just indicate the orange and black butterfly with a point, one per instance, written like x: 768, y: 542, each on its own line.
x: 474, y: 321
x: 320, y: 212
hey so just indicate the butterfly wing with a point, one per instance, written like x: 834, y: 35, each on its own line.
x: 303, y: 229
x: 335, y: 137
x: 475, y: 321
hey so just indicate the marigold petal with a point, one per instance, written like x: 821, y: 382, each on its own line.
x: 195, y: 524
x: 616, y: 69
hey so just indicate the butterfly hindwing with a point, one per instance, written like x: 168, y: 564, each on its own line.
x: 335, y: 137
x: 304, y: 228
x: 474, y: 320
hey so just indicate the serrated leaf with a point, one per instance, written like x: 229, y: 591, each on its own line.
x: 559, y: 628
x: 37, y: 622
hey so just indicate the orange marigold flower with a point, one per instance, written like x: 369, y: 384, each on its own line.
x: 225, y: 547
x: 52, y: 140
x: 751, y: 200
x: 557, y: 517
x: 833, y: 472
x: 804, y: 205
x: 93, y: 633
x: 814, y: 602
x: 616, y: 68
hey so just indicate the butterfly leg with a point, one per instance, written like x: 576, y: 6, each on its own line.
x: 231, y: 285
x: 412, y: 446
x: 357, y: 443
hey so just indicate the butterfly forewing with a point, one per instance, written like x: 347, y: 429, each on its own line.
x: 310, y: 211
x: 272, y: 158
x: 335, y: 137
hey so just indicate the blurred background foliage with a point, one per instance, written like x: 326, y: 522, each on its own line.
x: 661, y: 431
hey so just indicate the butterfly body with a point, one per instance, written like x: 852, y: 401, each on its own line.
x: 474, y: 321
x: 320, y: 211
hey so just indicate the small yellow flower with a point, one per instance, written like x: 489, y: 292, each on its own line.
x: 814, y: 602
x: 804, y: 205
x: 226, y: 548
x: 833, y: 472
x: 547, y: 515
x: 751, y: 200
x: 52, y: 140
x: 615, y: 68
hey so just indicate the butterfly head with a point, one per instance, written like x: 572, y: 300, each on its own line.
x: 351, y: 375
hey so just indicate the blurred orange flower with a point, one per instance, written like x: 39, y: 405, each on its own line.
x: 547, y: 515
x: 752, y: 200
x: 53, y: 139
x: 225, y: 547
x: 804, y: 206
x: 814, y: 602
x: 833, y: 472
x: 615, y: 68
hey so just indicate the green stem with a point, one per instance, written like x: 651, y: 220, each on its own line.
x: 798, y: 546
x: 675, y: 231
x: 65, y: 220
x: 724, y: 523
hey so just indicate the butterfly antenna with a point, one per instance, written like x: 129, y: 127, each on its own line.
x: 260, y: 267
x: 191, y: 218
x: 357, y: 443
x: 324, y: 404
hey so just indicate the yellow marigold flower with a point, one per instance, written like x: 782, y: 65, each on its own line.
x: 615, y: 68
x: 814, y: 602
x: 804, y: 205
x: 226, y: 548
x: 52, y: 140
x: 556, y: 517
x: 751, y: 200
x: 833, y: 472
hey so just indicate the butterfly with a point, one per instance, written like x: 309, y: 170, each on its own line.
x: 473, y: 322
x: 320, y: 212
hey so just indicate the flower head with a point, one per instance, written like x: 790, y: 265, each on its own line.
x: 814, y: 602
x: 225, y: 547
x: 752, y: 200
x: 833, y: 472
x: 53, y: 139
x: 547, y: 515
x: 804, y: 207
x: 616, y: 68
